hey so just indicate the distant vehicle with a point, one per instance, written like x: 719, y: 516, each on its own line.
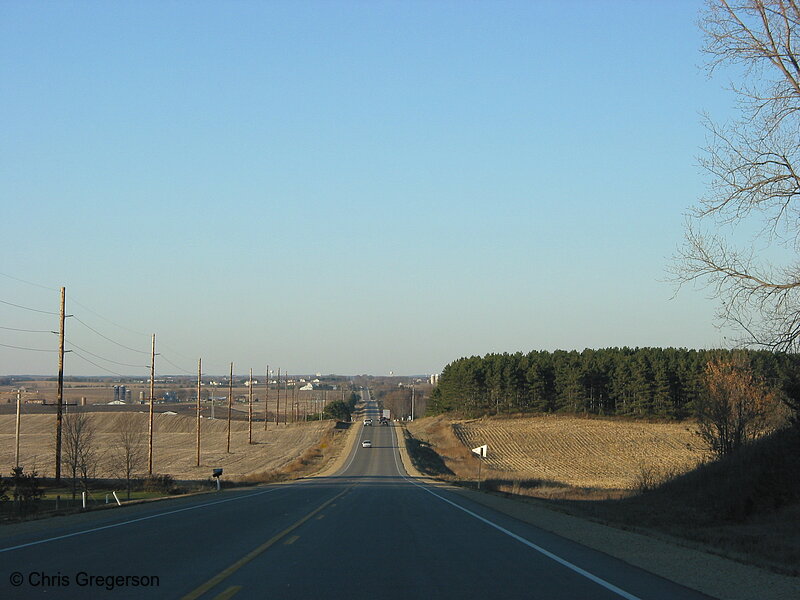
x: 367, y: 421
x: 366, y: 444
x: 384, y: 421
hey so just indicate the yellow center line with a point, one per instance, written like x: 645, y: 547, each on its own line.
x: 228, y: 593
x: 291, y: 540
x: 320, y: 517
x: 220, y: 577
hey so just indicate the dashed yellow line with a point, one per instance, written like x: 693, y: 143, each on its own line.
x: 291, y: 540
x: 222, y: 575
x: 227, y: 594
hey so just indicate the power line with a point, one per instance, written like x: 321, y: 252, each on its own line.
x: 31, y: 349
x: 46, y: 312
x: 96, y: 365
x: 72, y: 300
x: 183, y: 356
x: 27, y: 330
x: 104, y: 358
x: 44, y: 287
x: 108, y: 338
x: 98, y: 315
x: 174, y: 365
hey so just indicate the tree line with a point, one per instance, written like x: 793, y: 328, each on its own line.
x: 663, y: 383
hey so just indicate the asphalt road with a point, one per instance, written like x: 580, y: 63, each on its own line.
x: 366, y: 532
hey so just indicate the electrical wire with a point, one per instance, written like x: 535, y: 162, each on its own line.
x: 45, y: 312
x: 31, y: 349
x: 174, y: 365
x: 98, y: 315
x: 161, y: 344
x: 44, y: 287
x: 27, y: 330
x: 108, y: 338
x: 104, y: 358
x: 96, y: 365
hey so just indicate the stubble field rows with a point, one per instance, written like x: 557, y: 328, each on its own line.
x: 596, y: 453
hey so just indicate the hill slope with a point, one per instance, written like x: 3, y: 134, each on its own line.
x: 596, y: 453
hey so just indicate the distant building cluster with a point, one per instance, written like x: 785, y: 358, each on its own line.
x: 122, y: 394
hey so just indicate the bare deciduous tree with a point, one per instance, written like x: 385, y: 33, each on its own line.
x: 743, y: 239
x: 129, y: 454
x: 736, y: 406
x: 79, y: 449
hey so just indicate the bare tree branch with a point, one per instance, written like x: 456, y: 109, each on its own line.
x: 754, y: 176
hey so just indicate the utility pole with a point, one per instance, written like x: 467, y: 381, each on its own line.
x: 412, y: 401
x: 60, y: 391
x: 266, y: 401
x: 294, y: 401
x: 199, y: 380
x: 278, y: 401
x: 152, y: 395
x: 230, y: 405
x: 250, y: 410
x: 285, y: 397
x: 16, y: 436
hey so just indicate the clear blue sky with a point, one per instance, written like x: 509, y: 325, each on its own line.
x: 347, y: 187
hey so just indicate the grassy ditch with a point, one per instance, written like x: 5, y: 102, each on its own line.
x: 309, y: 462
x: 53, y: 499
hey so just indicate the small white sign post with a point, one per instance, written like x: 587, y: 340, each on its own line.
x: 481, y: 452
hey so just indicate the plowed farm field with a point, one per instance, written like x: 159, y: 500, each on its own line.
x: 592, y: 453
x: 174, y: 444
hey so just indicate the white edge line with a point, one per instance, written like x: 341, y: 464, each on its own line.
x: 342, y: 471
x: 602, y: 582
x: 113, y: 525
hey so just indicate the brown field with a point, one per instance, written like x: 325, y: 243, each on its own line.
x: 579, y: 452
x: 174, y: 446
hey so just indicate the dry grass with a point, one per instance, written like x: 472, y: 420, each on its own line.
x: 560, y: 450
x: 310, y: 461
x: 174, y: 449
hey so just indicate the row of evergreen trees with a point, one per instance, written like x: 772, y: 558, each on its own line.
x: 635, y: 382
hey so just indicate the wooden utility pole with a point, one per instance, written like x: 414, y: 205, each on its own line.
x: 60, y: 391
x: 278, y: 401
x: 266, y: 401
x: 16, y: 435
x: 199, y: 380
x: 294, y: 400
x: 230, y: 406
x: 152, y: 395
x: 250, y: 410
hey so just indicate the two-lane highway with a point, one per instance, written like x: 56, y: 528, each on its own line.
x: 369, y: 531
